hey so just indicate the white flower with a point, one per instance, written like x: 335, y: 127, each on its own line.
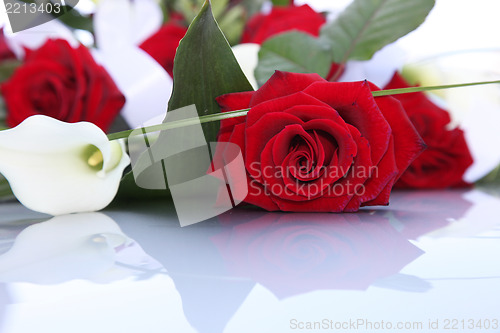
x: 60, y: 168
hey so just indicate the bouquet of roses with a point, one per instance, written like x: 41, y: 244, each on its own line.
x: 290, y: 118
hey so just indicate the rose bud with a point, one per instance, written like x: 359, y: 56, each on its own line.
x: 62, y: 82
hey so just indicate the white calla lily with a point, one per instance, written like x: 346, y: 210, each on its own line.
x: 60, y: 168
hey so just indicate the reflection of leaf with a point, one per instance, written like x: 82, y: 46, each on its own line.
x: 367, y: 26
x: 295, y: 52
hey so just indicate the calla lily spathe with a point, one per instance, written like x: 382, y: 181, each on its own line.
x: 59, y: 168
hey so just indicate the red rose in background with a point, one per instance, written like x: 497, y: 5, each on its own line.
x: 313, y: 145
x: 62, y: 82
x: 281, y: 19
x: 447, y: 157
x: 163, y: 44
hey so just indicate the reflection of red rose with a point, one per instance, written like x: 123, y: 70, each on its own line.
x: 163, y: 44
x: 263, y: 26
x: 447, y: 157
x: 313, y: 145
x: 296, y: 253
x: 62, y: 82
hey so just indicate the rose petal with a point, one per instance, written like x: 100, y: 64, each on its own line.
x: 283, y: 84
x: 355, y: 104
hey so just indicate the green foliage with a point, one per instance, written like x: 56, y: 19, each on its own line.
x: 280, y: 2
x: 293, y: 52
x: 205, y: 68
x: 368, y: 25
x: 231, y: 19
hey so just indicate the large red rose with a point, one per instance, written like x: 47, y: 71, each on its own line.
x: 62, y: 82
x: 163, y: 44
x: 263, y: 26
x: 447, y: 157
x: 313, y: 145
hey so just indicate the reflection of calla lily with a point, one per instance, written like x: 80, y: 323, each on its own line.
x: 58, y: 168
x: 294, y: 254
x: 78, y: 246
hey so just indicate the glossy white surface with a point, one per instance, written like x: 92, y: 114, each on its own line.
x: 430, y: 257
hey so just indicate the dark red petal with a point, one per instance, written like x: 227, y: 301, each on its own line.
x: 298, y: 103
x: 379, y: 185
x: 321, y: 204
x: 355, y: 104
x: 407, y: 142
x: 281, y: 19
x: 258, y: 195
x: 283, y: 84
x: 258, y: 135
x: 233, y: 102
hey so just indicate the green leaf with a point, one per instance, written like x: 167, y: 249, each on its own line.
x: 293, y: 52
x: 7, y: 68
x: 252, y: 7
x: 204, y: 69
x: 232, y: 23
x: 399, y: 91
x: 368, y: 25
x: 5, y: 191
x: 75, y: 20
x: 281, y: 2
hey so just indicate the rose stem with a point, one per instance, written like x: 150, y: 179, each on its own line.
x: 242, y: 113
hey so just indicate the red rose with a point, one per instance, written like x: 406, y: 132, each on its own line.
x: 263, y: 26
x: 163, y: 44
x: 447, y: 157
x: 62, y: 82
x: 313, y: 145
x: 293, y: 254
